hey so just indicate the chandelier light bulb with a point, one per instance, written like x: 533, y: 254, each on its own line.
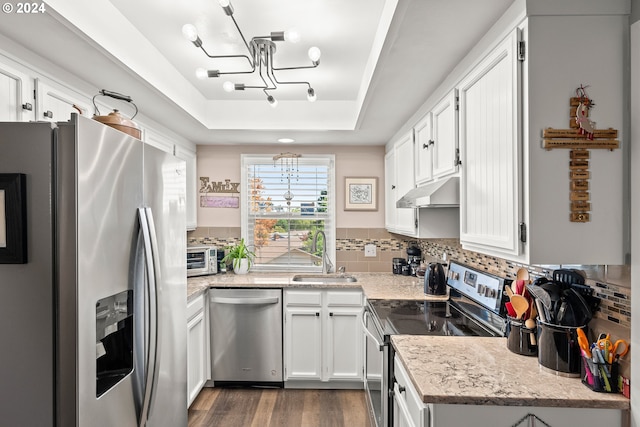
x: 314, y: 54
x: 201, y: 73
x: 228, y: 86
x: 292, y: 35
x: 190, y: 32
x: 311, y: 95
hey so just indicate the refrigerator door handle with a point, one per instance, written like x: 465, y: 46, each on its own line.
x: 150, y: 249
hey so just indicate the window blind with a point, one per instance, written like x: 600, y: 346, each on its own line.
x: 286, y: 203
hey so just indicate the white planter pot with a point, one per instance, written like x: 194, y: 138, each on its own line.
x: 242, y: 267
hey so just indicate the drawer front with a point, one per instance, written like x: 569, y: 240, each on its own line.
x: 344, y: 298
x: 195, y: 306
x: 303, y: 298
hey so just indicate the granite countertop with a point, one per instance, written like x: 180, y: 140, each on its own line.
x: 482, y: 371
x: 374, y: 285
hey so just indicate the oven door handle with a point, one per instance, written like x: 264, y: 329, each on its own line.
x: 365, y: 313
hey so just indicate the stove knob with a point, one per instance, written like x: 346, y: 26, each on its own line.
x: 481, y: 289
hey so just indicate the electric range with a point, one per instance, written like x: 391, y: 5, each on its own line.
x: 475, y: 307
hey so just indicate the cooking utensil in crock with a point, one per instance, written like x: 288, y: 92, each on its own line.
x: 520, y: 305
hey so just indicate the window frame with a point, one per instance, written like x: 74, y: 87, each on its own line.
x: 246, y: 161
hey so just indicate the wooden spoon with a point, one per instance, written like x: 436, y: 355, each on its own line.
x: 531, y: 324
x: 508, y: 290
x: 520, y: 305
x: 523, y: 274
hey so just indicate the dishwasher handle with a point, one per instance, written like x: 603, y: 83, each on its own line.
x: 246, y: 300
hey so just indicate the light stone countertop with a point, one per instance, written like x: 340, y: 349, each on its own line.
x: 482, y: 371
x: 374, y: 285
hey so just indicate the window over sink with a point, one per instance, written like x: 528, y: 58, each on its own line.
x: 285, y: 203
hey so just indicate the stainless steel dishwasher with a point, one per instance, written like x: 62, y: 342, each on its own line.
x: 246, y: 337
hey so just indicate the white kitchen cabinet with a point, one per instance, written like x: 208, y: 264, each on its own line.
x: 514, y: 193
x: 192, y: 184
x: 410, y: 410
x: 55, y: 103
x: 441, y: 415
x: 303, y: 343
x: 490, y: 177
x: 424, y: 152
x: 197, y: 346
x: 445, y: 136
x: 436, y: 141
x: 399, y: 179
x: 168, y: 145
x: 17, y: 100
x: 323, y: 338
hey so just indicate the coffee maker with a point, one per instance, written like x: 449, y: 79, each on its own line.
x: 414, y: 258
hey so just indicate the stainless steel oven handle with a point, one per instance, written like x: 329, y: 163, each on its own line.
x: 365, y: 313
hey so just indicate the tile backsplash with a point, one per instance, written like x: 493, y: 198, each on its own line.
x: 612, y: 284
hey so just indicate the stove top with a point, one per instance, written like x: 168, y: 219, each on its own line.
x: 440, y: 318
x: 475, y: 308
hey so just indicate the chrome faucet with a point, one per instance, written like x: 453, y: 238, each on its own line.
x: 326, y: 262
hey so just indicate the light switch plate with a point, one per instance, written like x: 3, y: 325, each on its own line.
x: 369, y: 250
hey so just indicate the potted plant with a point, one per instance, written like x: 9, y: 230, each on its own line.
x: 240, y: 256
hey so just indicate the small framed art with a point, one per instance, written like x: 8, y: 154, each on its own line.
x: 361, y: 194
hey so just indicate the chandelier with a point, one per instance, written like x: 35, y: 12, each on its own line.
x: 261, y: 53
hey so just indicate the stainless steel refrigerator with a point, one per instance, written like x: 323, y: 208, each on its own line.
x: 93, y: 321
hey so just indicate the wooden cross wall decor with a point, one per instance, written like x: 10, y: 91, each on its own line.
x: 581, y: 137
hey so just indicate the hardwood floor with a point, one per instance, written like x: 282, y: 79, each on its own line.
x: 233, y: 407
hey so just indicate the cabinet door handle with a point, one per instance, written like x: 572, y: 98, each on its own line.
x: 425, y: 146
x: 331, y: 314
x: 401, y: 388
x: 317, y: 314
x: 432, y: 142
x: 393, y: 187
x: 48, y: 114
x: 27, y: 106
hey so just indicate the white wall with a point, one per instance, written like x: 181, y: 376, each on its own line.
x: 223, y: 162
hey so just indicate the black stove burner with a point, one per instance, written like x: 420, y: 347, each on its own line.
x: 439, y: 318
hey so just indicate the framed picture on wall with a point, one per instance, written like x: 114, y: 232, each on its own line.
x: 361, y: 194
x: 13, y: 218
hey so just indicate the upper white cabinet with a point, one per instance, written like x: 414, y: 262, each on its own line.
x: 17, y: 100
x: 445, y: 136
x: 192, y: 185
x: 399, y: 179
x: 490, y: 177
x: 168, y: 145
x: 436, y: 141
x: 424, y: 150
x: 55, y: 103
x: 515, y: 195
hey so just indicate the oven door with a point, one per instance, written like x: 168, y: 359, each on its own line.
x: 376, y: 370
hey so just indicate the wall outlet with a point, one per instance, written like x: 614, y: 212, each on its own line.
x: 370, y: 250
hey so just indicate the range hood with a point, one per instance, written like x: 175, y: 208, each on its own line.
x: 443, y: 193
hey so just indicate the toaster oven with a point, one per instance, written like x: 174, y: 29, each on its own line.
x: 202, y: 260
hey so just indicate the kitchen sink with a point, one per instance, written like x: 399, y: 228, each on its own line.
x: 324, y: 278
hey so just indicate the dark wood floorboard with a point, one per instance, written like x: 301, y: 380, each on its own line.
x: 231, y: 407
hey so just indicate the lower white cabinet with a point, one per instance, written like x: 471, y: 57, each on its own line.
x: 408, y: 408
x: 410, y: 411
x: 323, y: 337
x: 197, y: 346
